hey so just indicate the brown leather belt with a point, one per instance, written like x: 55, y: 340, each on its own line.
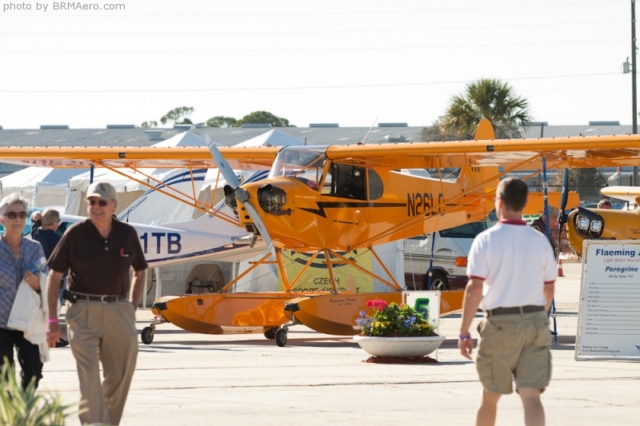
x: 515, y: 310
x: 104, y: 298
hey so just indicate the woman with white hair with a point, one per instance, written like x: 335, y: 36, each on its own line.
x: 18, y: 257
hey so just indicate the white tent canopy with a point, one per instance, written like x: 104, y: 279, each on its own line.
x: 41, y: 186
x: 272, y: 138
x: 128, y: 190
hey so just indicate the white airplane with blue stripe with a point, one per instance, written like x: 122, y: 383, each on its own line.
x: 215, y: 236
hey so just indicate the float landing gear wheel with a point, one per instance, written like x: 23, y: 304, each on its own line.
x: 281, y: 336
x: 147, y: 335
x: 270, y: 333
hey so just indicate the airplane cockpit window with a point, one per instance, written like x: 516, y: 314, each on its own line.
x: 327, y: 183
x: 348, y: 181
x: 375, y: 185
x: 302, y: 163
x: 451, y: 173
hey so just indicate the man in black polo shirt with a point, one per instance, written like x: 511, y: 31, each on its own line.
x: 99, y: 254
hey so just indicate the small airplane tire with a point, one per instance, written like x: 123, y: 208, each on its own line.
x: 147, y: 335
x: 281, y: 337
x: 270, y: 333
x: 439, y: 281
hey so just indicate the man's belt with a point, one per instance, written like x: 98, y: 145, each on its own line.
x: 515, y: 310
x: 74, y: 296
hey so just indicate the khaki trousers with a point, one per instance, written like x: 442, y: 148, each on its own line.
x: 103, y: 333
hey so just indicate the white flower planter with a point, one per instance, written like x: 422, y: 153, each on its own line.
x: 399, y: 346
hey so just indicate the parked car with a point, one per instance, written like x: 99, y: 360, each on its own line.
x: 447, y: 261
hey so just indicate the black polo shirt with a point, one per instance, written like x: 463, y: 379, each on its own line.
x: 99, y: 265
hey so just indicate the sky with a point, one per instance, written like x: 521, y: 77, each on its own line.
x: 355, y: 63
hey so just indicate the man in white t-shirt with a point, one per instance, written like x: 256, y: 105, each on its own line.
x: 512, y: 271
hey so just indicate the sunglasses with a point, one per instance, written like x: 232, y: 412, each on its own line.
x: 14, y: 215
x: 101, y: 203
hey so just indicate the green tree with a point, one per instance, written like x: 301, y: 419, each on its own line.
x: 491, y: 99
x: 149, y: 124
x: 178, y: 115
x: 263, y: 117
x: 220, y: 121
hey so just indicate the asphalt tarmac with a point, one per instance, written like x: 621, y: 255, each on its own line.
x: 190, y: 379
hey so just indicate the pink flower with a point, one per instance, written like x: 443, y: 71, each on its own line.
x: 378, y: 304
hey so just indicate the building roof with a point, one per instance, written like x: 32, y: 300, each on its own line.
x: 234, y: 135
x: 223, y: 136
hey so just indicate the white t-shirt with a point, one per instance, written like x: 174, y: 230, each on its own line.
x: 514, y: 261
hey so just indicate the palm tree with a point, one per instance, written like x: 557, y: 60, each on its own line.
x: 491, y: 99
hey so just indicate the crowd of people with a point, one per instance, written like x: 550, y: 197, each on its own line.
x: 89, y: 266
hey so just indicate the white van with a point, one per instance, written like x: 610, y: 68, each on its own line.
x: 449, y: 257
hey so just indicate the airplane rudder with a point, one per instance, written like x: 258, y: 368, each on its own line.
x: 483, y: 179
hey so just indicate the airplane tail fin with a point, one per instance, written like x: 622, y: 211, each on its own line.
x: 155, y: 208
x: 485, y: 131
x: 478, y: 184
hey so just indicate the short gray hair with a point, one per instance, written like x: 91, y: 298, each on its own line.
x: 12, y: 199
x: 49, y: 217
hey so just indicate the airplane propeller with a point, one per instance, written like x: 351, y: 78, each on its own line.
x: 563, y: 216
x: 239, y: 193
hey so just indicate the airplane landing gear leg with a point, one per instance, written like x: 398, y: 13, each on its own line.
x: 147, y: 333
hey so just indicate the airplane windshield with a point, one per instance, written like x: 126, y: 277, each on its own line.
x: 303, y: 163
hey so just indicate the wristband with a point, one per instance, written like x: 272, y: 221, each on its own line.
x: 467, y: 337
x: 53, y: 321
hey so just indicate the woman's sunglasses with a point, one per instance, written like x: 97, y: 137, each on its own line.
x: 13, y: 215
x: 101, y: 203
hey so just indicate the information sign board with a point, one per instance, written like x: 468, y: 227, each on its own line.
x: 609, y: 313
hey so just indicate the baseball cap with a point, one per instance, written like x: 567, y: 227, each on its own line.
x: 102, y: 190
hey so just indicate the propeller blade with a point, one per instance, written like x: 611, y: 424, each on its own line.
x: 240, y: 194
x: 260, y: 225
x: 565, y: 189
x: 562, y: 215
x: 224, y: 167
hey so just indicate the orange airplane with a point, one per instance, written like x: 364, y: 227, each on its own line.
x: 328, y: 200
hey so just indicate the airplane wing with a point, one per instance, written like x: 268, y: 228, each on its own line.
x: 136, y: 157
x: 511, y: 154
x: 625, y: 193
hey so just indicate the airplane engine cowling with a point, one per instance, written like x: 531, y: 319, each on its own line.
x: 588, y: 224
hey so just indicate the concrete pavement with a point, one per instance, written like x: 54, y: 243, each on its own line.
x: 189, y: 379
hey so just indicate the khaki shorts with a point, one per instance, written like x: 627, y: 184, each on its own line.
x: 514, y: 347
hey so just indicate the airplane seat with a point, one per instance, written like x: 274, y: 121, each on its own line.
x: 205, y: 276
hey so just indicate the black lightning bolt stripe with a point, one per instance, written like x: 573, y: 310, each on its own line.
x: 348, y: 205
